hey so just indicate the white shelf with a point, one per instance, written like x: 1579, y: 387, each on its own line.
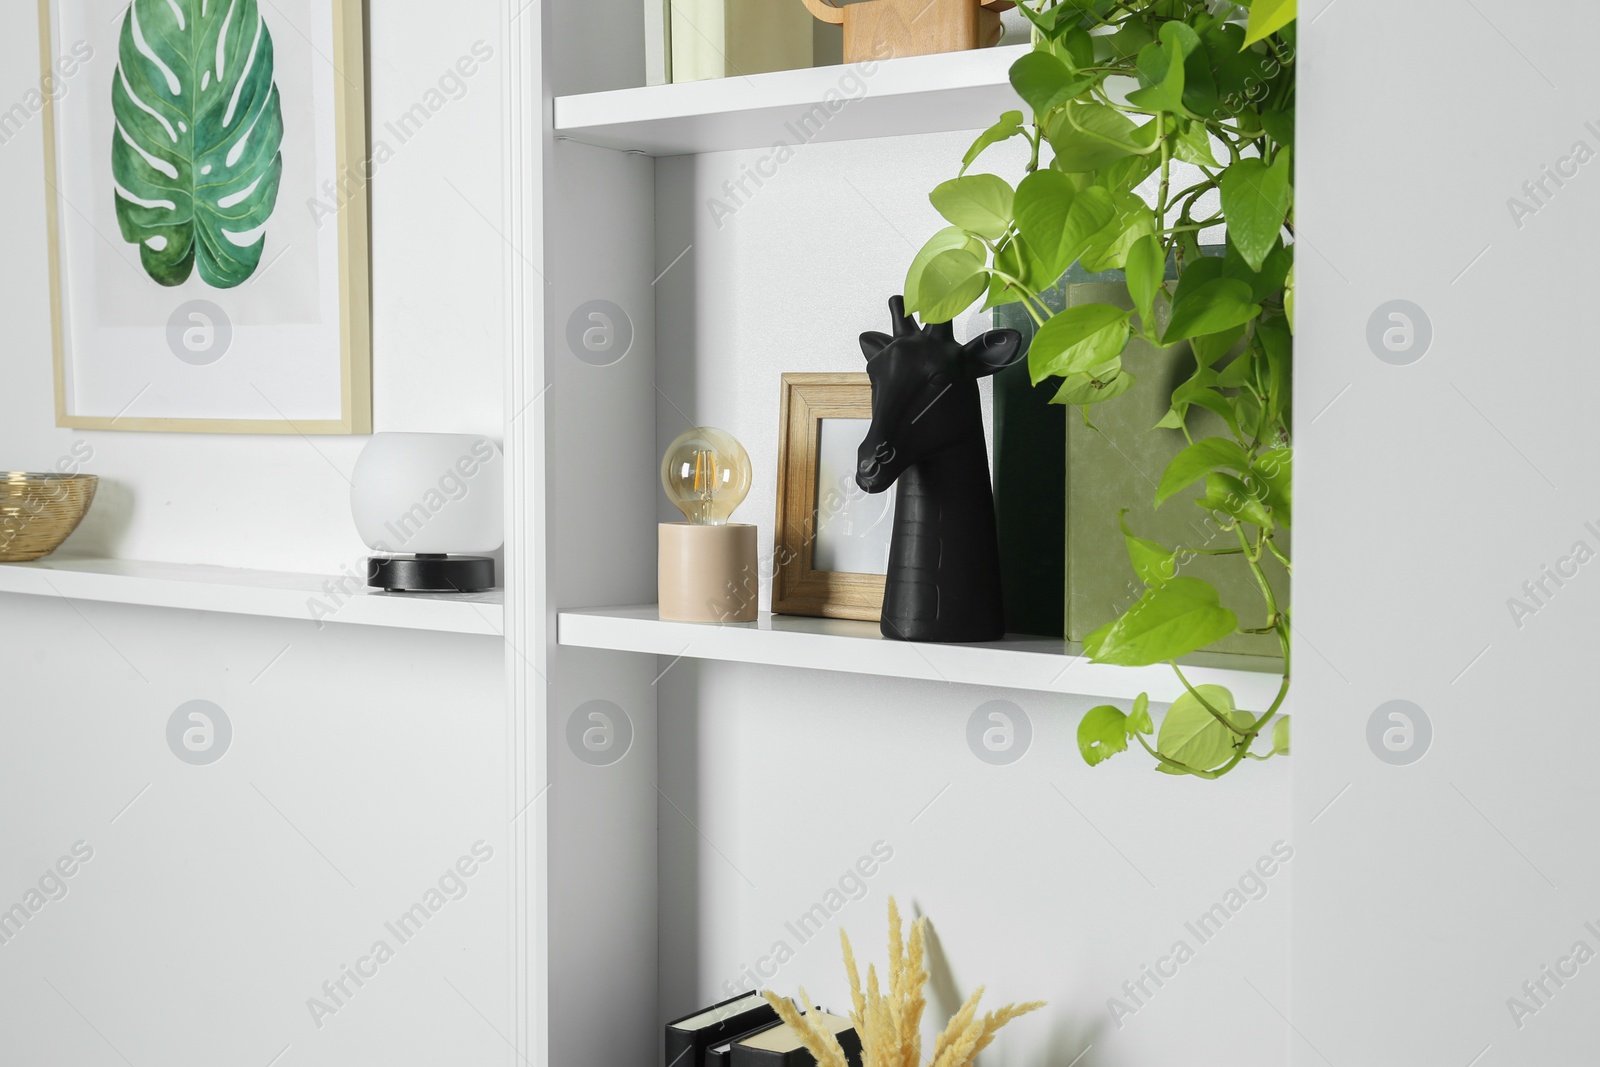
x: 917, y: 94
x: 243, y: 592
x: 1030, y: 663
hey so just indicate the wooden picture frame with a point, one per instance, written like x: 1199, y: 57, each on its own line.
x: 798, y: 588
x: 340, y: 69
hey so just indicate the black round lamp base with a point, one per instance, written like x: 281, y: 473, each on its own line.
x: 431, y: 574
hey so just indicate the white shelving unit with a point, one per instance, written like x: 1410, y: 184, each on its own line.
x: 588, y: 206
x: 916, y: 95
x: 271, y: 594
x: 1027, y: 663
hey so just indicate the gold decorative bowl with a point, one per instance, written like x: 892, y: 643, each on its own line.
x: 39, y: 511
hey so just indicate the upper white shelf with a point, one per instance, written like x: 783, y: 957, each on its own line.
x: 917, y: 94
x: 242, y: 592
x: 1030, y: 663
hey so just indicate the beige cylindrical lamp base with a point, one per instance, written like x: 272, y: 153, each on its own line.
x: 707, y: 573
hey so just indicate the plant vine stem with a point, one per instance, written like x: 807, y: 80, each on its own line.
x: 1166, y: 169
x: 1215, y: 714
x: 1268, y: 595
x: 1170, y: 762
x: 1273, y: 548
x: 1028, y: 295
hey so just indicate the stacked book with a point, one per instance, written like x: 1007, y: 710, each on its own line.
x: 746, y: 1032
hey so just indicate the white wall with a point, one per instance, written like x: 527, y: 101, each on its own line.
x: 1428, y: 494
x: 777, y: 781
x: 1045, y: 879
x: 219, y: 898
x: 437, y: 252
x: 364, y: 761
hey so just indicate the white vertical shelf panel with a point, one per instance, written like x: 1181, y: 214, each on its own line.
x: 583, y: 503
x: 526, y: 658
x: 599, y: 500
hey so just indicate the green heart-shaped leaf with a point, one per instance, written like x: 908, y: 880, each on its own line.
x: 1275, y: 471
x: 1268, y: 17
x: 1174, y: 619
x: 1146, y: 270
x: 1057, y: 221
x: 1233, y: 498
x: 1139, y: 718
x: 1217, y: 305
x: 1108, y: 249
x: 1096, y: 387
x: 1102, y: 733
x: 1079, y: 339
x: 1088, y: 137
x: 1192, y: 735
x: 1152, y: 562
x: 1009, y: 126
x: 1045, y: 82
x: 1196, y: 461
x: 1255, y: 201
x: 951, y: 282
x: 1161, y: 69
x: 980, y: 203
x: 948, y: 239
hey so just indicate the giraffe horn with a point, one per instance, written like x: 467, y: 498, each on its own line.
x: 944, y: 331
x: 903, y: 326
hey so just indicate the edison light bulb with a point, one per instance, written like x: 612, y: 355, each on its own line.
x: 706, y: 473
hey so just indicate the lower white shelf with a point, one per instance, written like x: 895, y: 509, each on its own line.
x: 312, y: 597
x: 1032, y: 663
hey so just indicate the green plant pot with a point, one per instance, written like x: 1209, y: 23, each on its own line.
x: 1116, y: 463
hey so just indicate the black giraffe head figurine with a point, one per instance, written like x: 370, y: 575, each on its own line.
x: 927, y: 434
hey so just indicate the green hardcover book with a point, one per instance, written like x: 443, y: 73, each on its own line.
x: 1117, y: 463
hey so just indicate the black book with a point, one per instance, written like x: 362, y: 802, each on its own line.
x: 689, y: 1037
x: 780, y: 1046
x: 722, y: 1055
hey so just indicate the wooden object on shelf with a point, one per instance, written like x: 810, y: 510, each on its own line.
x: 798, y: 588
x: 887, y: 29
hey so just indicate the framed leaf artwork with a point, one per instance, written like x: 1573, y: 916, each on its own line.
x: 205, y: 193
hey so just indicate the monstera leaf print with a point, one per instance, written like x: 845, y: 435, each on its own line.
x: 195, y: 153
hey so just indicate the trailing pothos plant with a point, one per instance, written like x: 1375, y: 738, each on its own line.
x: 1120, y: 92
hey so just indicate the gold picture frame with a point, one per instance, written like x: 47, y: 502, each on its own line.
x: 354, y: 265
x: 798, y: 588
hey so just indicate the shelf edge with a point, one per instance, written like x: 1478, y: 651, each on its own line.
x: 1032, y: 665
x: 263, y: 594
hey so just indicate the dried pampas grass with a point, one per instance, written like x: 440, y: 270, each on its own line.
x: 889, y: 1022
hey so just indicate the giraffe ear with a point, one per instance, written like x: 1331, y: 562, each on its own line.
x: 873, y: 343
x: 992, y: 351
